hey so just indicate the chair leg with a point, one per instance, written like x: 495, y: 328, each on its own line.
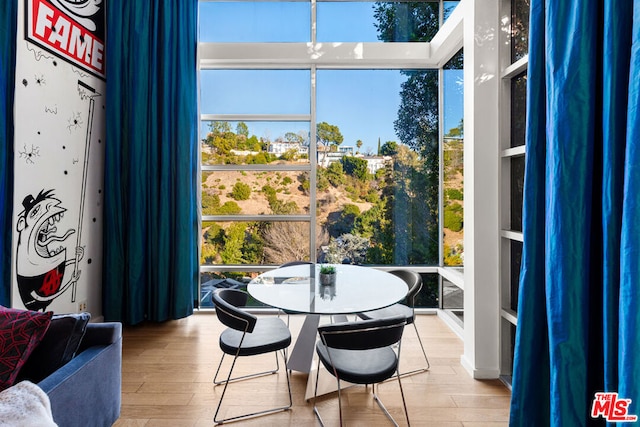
x: 421, y: 346
x: 284, y: 312
x: 384, y: 409
x: 315, y: 397
x: 415, y: 371
x: 253, y: 414
x: 258, y: 374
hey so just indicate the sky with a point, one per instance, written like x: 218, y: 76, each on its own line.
x: 362, y: 103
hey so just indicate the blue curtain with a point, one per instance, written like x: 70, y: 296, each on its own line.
x: 8, y: 22
x: 150, y: 200
x: 579, y: 305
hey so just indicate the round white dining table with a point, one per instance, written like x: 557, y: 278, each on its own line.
x: 297, y: 288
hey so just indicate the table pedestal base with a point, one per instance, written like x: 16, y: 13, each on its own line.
x: 301, y: 356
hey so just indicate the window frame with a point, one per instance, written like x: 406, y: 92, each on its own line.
x: 508, y: 316
x: 317, y: 56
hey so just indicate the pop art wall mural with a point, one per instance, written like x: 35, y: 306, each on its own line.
x: 59, y: 152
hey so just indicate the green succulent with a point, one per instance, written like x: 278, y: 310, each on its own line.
x: 327, y: 269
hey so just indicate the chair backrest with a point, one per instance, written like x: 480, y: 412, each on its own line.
x: 414, y: 281
x: 363, y: 335
x: 290, y: 263
x: 227, y: 302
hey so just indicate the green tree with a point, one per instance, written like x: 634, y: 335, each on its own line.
x: 253, y: 143
x: 242, y: 129
x: 322, y: 182
x: 406, y: 21
x: 410, y: 192
x: 355, y: 167
x: 278, y: 207
x: 210, y: 203
x: 218, y: 127
x: 261, y: 158
x: 454, y: 194
x: 453, y: 217
x: 233, y: 242
x: 367, y: 222
x: 344, y: 223
x: 328, y: 135
x: 221, y: 138
x: 253, y: 245
x: 359, y: 144
x: 269, y: 192
x: 289, y: 155
x: 228, y: 208
x: 335, y: 174
x: 241, y: 191
x: 389, y: 148
x: 294, y: 138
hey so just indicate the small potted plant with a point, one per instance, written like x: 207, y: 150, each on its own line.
x: 327, y: 275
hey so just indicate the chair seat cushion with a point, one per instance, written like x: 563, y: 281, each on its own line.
x: 269, y: 334
x: 359, y: 366
x: 391, y: 311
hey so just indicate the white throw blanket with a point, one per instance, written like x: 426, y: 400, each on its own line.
x: 25, y: 405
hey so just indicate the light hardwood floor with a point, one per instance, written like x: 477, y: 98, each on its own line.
x: 167, y: 372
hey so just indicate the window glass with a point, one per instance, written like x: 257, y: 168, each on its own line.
x: 453, y: 299
x: 254, y: 142
x: 255, y: 91
x: 518, y: 109
x: 428, y: 296
x: 519, y: 29
x: 255, y: 193
x: 210, y: 281
x: 378, y: 163
x: 254, y: 243
x: 516, y: 259
x: 346, y: 22
x: 508, y: 337
x: 517, y: 191
x: 453, y: 162
x: 449, y: 7
x: 257, y: 21
x: 368, y: 21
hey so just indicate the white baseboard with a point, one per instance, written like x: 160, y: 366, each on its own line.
x: 479, y: 374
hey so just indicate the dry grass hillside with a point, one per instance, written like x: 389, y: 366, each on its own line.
x: 287, y: 190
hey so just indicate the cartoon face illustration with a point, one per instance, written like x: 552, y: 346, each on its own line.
x: 41, y: 255
x: 80, y: 10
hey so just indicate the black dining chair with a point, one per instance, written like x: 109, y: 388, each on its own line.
x: 361, y: 352
x: 414, y: 281
x: 246, y: 335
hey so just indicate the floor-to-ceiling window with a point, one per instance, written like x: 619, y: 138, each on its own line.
x: 452, y: 194
x: 321, y: 138
x: 513, y: 99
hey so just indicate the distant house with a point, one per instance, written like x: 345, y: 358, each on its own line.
x: 281, y: 147
x: 326, y: 157
x: 243, y: 152
x: 346, y: 150
x: 375, y: 163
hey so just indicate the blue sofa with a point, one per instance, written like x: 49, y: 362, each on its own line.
x: 87, y: 390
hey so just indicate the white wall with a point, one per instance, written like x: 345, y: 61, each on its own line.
x: 59, y: 152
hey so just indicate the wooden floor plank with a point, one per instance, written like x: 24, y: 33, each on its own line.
x: 168, y: 370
